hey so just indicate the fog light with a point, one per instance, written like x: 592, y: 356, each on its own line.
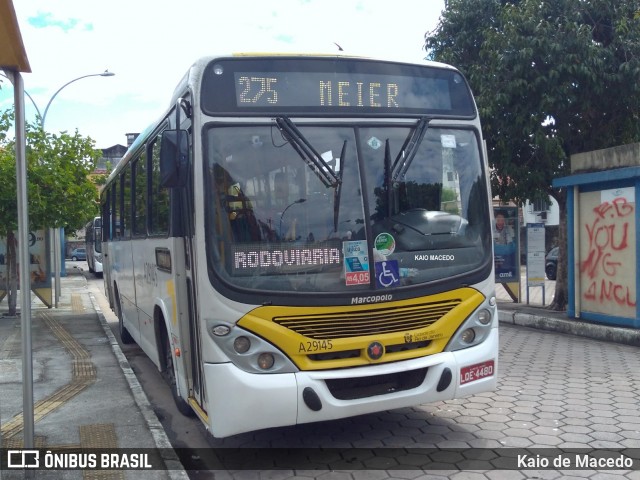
x: 484, y: 317
x: 468, y: 335
x: 265, y: 361
x: 241, y: 344
x: 220, y: 330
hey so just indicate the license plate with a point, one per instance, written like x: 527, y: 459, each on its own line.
x: 471, y: 373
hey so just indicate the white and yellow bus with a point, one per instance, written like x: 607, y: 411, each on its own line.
x: 93, y: 244
x: 304, y: 238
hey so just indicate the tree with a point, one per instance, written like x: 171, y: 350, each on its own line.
x: 552, y: 78
x: 59, y: 190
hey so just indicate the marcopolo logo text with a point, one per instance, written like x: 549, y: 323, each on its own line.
x: 371, y: 299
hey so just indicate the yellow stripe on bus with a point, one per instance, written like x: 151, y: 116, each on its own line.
x: 319, y: 338
x: 171, y: 290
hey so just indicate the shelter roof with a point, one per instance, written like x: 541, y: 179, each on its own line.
x: 12, y: 52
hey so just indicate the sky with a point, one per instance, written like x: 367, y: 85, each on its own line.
x: 150, y: 44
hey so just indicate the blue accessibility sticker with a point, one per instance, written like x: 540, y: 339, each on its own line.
x: 387, y: 273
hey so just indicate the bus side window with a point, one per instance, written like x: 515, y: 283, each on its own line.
x: 116, y: 211
x: 158, y: 196
x: 126, y: 202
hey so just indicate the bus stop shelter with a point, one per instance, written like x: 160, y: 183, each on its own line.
x: 602, y: 230
x: 14, y: 62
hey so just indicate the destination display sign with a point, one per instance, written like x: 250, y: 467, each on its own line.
x: 333, y: 85
x: 253, y: 258
x: 347, y: 90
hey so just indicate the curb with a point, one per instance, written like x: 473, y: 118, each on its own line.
x: 175, y: 468
x: 595, y: 331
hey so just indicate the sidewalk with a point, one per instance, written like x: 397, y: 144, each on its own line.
x: 85, y: 394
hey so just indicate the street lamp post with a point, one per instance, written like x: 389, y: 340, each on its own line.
x: 23, y: 259
x: 57, y: 261
x: 106, y: 73
x: 41, y: 116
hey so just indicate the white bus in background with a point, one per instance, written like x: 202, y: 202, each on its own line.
x: 93, y: 243
x: 306, y: 238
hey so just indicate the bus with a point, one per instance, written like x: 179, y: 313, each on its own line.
x: 93, y: 244
x: 301, y: 238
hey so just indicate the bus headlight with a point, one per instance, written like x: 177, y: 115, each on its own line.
x: 265, y: 361
x: 484, y: 316
x: 247, y: 351
x: 468, y: 335
x: 241, y: 344
x: 475, y: 329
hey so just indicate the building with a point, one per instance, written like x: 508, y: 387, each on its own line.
x: 112, y: 155
x: 109, y: 159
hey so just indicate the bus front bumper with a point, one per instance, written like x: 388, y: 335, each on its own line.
x: 241, y: 402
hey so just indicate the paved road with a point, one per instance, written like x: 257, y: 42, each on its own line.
x: 555, y: 391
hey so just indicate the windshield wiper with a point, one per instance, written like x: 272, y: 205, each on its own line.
x: 410, y: 148
x: 338, y: 191
x: 306, y: 151
x: 387, y: 177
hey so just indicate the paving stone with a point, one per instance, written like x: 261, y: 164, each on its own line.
x: 577, y: 438
x: 546, y: 440
x: 605, y: 436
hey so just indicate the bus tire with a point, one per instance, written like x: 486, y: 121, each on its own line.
x: 169, y: 375
x: 125, y: 336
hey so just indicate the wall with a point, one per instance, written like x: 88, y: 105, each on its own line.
x: 607, y: 256
x: 606, y: 159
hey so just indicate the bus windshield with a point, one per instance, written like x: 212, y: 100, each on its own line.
x: 343, y: 208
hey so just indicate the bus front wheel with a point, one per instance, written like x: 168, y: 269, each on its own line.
x: 169, y: 375
x: 125, y: 336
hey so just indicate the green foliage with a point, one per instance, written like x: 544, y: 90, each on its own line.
x: 552, y: 78
x: 60, y: 193
x: 8, y: 197
x: 100, y: 179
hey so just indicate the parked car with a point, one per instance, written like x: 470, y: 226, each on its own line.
x: 78, y: 254
x: 551, y: 263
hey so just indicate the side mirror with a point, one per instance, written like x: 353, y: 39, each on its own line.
x: 174, y: 158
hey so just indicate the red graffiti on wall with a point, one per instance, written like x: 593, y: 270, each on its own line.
x: 608, y: 237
